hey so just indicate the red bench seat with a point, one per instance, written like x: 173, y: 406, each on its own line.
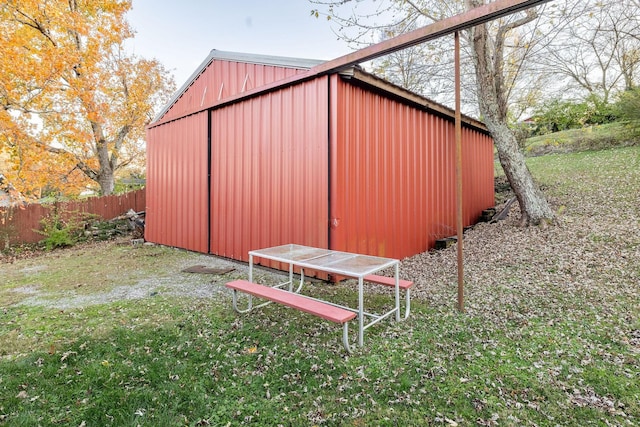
x: 405, y: 285
x: 389, y: 281
x: 299, y: 302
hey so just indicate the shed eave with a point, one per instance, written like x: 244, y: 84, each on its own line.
x: 357, y: 75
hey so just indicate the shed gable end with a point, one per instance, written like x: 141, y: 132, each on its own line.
x: 223, y: 76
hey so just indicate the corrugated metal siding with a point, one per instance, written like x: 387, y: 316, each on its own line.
x: 269, y: 180
x: 223, y: 79
x: 391, y: 178
x: 393, y: 175
x: 477, y: 176
x: 176, y: 213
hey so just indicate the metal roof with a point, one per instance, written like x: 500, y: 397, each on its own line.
x: 278, y: 61
x: 361, y: 76
x: 354, y: 73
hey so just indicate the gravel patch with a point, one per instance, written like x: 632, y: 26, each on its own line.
x: 27, y: 290
x: 33, y: 269
x: 176, y: 284
x: 148, y: 288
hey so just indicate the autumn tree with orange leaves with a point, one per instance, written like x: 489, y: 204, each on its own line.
x: 73, y: 102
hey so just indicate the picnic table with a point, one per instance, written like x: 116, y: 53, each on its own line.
x: 352, y: 265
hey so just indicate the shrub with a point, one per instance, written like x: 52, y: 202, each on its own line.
x: 628, y: 109
x: 522, y: 132
x: 62, y: 229
x: 558, y: 115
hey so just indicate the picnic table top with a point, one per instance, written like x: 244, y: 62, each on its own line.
x: 338, y: 262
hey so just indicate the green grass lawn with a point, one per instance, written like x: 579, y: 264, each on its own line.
x: 558, y: 355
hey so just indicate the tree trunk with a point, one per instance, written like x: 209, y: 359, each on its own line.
x: 106, y: 181
x: 533, y: 205
x: 106, y: 174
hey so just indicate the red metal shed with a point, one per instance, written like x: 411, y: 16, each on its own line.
x: 255, y: 151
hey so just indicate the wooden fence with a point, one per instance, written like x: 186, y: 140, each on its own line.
x: 19, y: 224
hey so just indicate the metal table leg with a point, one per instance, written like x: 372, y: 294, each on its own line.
x: 360, y: 311
x: 397, y: 276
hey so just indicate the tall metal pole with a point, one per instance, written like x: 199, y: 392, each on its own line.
x: 458, y: 126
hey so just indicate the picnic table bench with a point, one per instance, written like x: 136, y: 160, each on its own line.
x: 361, y: 267
x: 405, y: 285
x: 308, y: 305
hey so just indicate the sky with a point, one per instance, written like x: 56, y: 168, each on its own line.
x: 181, y: 33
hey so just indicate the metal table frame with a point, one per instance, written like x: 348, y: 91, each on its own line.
x: 334, y: 262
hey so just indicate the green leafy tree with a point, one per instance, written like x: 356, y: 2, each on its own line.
x: 558, y: 115
x: 628, y: 109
